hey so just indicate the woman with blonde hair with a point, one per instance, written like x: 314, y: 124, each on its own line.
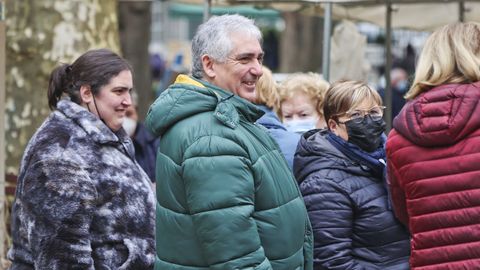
x: 268, y: 100
x: 434, y: 152
x: 340, y: 171
x: 301, y: 101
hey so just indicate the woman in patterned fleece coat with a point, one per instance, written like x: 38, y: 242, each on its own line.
x: 82, y: 201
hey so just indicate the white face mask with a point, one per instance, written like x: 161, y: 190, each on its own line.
x: 129, y: 125
x: 402, y: 86
x: 301, y: 126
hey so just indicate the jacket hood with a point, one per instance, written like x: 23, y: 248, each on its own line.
x: 269, y: 119
x: 315, y: 152
x: 189, y: 96
x: 442, y: 116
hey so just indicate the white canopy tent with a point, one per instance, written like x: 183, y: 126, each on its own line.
x: 410, y: 14
x: 425, y: 15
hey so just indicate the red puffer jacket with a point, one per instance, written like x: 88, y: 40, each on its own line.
x: 433, y: 156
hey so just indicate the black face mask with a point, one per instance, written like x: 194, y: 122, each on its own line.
x: 366, y: 134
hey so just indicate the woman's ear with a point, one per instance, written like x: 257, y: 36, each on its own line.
x: 207, y: 63
x: 86, y: 94
x: 332, y: 126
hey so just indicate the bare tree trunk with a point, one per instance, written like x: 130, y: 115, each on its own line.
x: 135, y: 19
x: 40, y: 35
x: 301, y: 43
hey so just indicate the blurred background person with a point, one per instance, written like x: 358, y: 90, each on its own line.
x: 407, y: 63
x: 400, y: 86
x: 434, y: 152
x: 145, y: 144
x: 171, y: 72
x: 82, y: 202
x: 341, y: 173
x: 268, y: 100
x: 301, y: 100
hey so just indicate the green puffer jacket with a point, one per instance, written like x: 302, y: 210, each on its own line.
x: 226, y: 197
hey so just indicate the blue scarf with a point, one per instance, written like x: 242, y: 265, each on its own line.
x: 374, y: 162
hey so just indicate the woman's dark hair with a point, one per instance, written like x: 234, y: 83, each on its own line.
x: 94, y: 68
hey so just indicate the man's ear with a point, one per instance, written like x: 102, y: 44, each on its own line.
x: 208, y: 68
x: 86, y: 94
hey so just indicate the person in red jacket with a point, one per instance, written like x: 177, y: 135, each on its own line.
x: 433, y: 152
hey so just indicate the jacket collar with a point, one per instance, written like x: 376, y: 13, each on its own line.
x: 230, y: 107
x: 190, y: 96
x: 315, y: 152
x: 93, y: 126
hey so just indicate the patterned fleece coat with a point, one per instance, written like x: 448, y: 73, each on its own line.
x: 82, y: 201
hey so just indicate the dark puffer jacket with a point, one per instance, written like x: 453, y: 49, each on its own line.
x: 146, y: 146
x: 82, y: 202
x: 352, y: 225
x: 434, y: 171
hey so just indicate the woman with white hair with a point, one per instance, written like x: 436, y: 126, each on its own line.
x: 301, y: 101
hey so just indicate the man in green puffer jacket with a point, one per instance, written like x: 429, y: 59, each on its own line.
x: 226, y: 197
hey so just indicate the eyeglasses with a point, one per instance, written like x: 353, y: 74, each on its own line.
x: 357, y: 116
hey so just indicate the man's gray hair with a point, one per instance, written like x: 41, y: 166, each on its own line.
x: 212, y: 38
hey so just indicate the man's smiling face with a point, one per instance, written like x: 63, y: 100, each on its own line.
x: 242, y: 68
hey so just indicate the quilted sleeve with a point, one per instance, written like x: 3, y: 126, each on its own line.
x: 59, y: 199
x: 331, y: 214
x: 219, y: 187
x: 396, y: 191
x: 397, y: 194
